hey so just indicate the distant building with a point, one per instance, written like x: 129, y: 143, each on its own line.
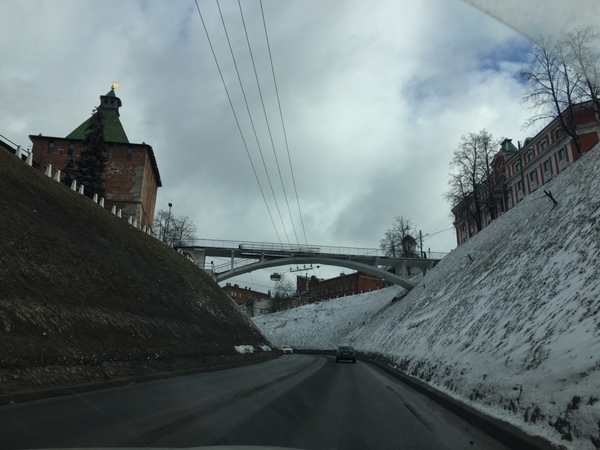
x: 464, y: 213
x: 520, y: 171
x: 253, y: 303
x: 351, y: 284
x: 544, y: 156
x: 131, y: 176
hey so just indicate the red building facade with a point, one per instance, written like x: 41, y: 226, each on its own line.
x: 548, y: 153
x: 521, y: 171
x: 242, y: 295
x: 131, y: 176
x: 351, y: 284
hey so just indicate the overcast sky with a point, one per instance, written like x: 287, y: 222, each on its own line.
x: 375, y: 97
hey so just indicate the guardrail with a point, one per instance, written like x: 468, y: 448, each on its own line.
x: 300, y: 248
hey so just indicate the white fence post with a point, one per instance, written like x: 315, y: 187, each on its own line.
x: 113, y: 210
x: 95, y: 199
x: 135, y: 223
x: 81, y: 189
x: 102, y: 202
x: 57, y: 176
x: 130, y: 221
x: 18, y: 152
x: 30, y: 158
x: 120, y: 214
x: 49, y: 170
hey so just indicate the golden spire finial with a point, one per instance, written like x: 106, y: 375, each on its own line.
x: 114, y: 85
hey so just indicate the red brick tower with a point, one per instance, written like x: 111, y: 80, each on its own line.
x: 131, y: 177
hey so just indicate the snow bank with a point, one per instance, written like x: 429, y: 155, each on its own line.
x: 325, y: 325
x: 515, y: 333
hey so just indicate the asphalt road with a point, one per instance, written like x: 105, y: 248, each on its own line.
x: 298, y: 401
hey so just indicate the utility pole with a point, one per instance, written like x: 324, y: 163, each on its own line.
x: 168, y: 220
x: 421, y: 242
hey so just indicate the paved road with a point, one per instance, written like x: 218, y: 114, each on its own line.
x: 298, y: 401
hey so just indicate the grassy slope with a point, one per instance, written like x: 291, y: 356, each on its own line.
x: 79, y: 285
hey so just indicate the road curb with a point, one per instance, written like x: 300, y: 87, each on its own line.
x: 502, y: 431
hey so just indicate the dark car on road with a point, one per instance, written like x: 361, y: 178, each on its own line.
x: 345, y: 353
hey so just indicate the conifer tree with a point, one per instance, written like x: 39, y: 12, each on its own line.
x: 69, y: 172
x: 92, y: 160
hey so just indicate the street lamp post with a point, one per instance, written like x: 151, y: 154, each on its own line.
x: 168, y: 220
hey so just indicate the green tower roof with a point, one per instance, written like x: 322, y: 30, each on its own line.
x: 113, y: 129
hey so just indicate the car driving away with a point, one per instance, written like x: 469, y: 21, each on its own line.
x: 345, y: 353
x: 286, y: 350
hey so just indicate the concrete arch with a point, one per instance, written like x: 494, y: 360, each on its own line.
x: 316, y: 259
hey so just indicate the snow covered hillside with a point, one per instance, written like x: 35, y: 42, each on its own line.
x: 326, y: 325
x: 515, y: 332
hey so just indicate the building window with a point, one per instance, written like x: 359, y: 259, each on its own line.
x: 518, y: 167
x: 547, y: 165
x: 558, y: 134
x: 520, y: 185
x: 129, y: 153
x: 532, y: 176
x: 529, y: 156
x: 51, y: 147
x: 71, y: 149
x: 543, y: 145
x: 110, y: 152
x: 561, y: 154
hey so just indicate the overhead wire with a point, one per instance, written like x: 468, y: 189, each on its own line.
x: 440, y: 231
x: 442, y: 222
x: 267, y: 120
x: 237, y: 120
x: 251, y: 120
x: 283, y: 122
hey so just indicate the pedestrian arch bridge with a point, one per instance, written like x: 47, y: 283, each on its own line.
x: 243, y: 257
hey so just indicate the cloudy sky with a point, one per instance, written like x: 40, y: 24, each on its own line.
x: 375, y: 97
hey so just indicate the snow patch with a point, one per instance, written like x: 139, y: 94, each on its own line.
x: 244, y: 348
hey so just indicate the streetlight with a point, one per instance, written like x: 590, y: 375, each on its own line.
x: 168, y: 220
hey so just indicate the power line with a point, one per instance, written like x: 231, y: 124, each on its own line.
x: 251, y: 120
x: 267, y: 121
x: 441, y: 222
x: 236, y: 119
x: 440, y: 231
x: 283, y: 122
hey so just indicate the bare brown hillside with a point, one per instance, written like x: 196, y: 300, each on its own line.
x: 85, y: 297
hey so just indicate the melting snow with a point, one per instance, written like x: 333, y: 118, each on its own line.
x: 244, y: 348
x: 515, y: 333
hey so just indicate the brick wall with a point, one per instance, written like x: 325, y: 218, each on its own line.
x: 130, y: 182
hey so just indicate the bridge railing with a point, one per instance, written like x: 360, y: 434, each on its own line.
x: 301, y: 248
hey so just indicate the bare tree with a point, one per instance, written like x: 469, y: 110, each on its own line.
x: 173, y: 230
x: 581, y: 50
x: 160, y: 224
x: 182, y: 231
x: 473, y: 182
x: 553, y: 87
x: 284, y: 288
x: 399, y: 240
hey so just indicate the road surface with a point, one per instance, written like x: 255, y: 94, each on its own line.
x: 298, y: 401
